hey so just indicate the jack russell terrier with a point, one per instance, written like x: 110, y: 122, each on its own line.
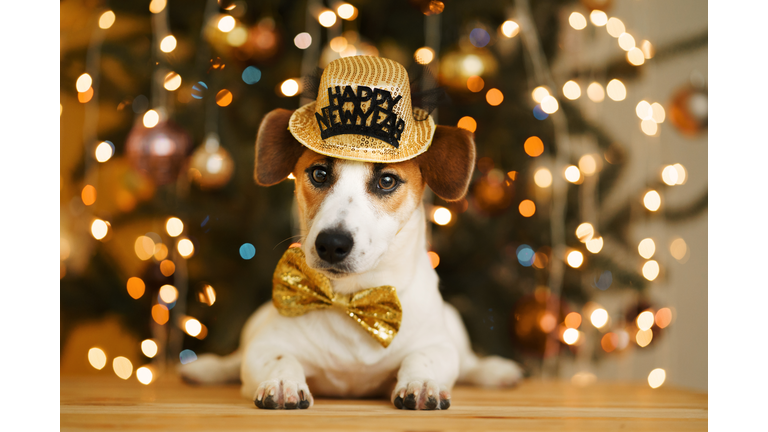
x: 356, y: 309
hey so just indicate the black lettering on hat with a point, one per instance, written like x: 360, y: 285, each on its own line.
x: 345, y: 114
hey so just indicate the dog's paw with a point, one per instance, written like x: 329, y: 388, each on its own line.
x: 421, y: 395
x: 283, y: 394
x: 494, y: 371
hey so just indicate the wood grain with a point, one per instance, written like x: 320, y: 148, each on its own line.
x: 108, y: 403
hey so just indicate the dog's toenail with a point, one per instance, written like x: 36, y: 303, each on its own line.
x: 304, y: 404
x: 445, y: 404
x: 270, y: 403
x: 410, y: 401
x: 431, y: 403
x: 399, y: 402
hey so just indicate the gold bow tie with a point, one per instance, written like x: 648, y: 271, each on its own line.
x: 297, y: 289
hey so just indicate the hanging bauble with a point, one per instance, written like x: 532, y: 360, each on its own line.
x: 158, y: 152
x: 688, y: 110
x: 211, y: 166
x: 458, y: 66
x: 428, y: 7
x: 602, y: 5
x: 532, y: 323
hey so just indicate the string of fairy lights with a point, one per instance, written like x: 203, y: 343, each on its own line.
x: 470, y: 67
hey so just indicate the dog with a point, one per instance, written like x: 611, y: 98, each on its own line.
x: 363, y: 225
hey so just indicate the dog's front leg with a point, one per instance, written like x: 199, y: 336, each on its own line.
x: 425, y: 379
x: 274, y: 379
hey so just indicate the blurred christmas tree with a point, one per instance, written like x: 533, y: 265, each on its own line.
x: 161, y: 220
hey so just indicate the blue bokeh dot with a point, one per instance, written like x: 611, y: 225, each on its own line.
x: 247, y: 251
x: 187, y: 356
x: 525, y: 255
x: 539, y: 113
x: 479, y: 37
x: 251, y: 75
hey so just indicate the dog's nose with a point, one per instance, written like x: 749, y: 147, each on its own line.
x: 333, y: 246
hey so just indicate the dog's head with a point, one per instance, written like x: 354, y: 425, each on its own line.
x: 351, y: 211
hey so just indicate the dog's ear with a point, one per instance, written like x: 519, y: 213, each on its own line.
x: 448, y: 163
x: 277, y: 151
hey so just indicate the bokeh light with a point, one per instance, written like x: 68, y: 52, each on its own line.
x: 647, y: 48
x: 577, y: 21
x: 327, y: 19
x: 570, y: 336
x: 149, y: 348
x: 338, y: 44
x: 526, y: 257
x: 587, y: 164
x: 144, y: 247
x: 185, y: 248
x: 144, y: 375
x: 599, y: 317
x: 572, y: 173
x: 157, y: 6
x: 123, y: 367
x: 533, y: 146
x: 539, y: 93
x: 644, y: 337
x: 302, y: 40
x: 238, y: 36
x: 187, y: 356
x: 223, y: 98
x: 161, y: 252
x: 663, y: 317
x: 168, y: 293
x: 615, y: 27
x: 347, y: 11
x: 494, y: 97
x: 657, y: 113
x: 135, y: 287
x: 542, y: 178
x: 168, y: 44
x: 99, y: 229
x: 174, y: 226
x: 104, y: 151
x: 652, y: 200
x: 538, y: 114
x: 251, y: 75
x: 289, y: 87
x: 527, y: 208
x: 226, y: 23
x: 479, y: 37
x: 573, y: 320
x: 151, y: 119
x: 441, y: 216
x: 644, y: 110
x: 85, y: 96
x: 97, y: 358
x: 64, y: 248
x: 609, y: 341
x: 616, y: 90
x: 678, y: 249
x: 649, y: 127
x: 475, y: 83
x: 585, y: 231
x: 681, y: 174
x: 549, y: 105
x: 160, y: 314
x: 635, y: 56
x: 595, y: 244
x: 434, y: 259
x: 106, y: 20
x: 424, y: 55
x: 646, y: 248
x: 657, y: 377
x: 571, y: 90
x: 645, y: 320
x: 669, y: 175
x: 472, y: 65
x: 167, y: 267
x: 193, y: 327
x: 510, y: 28
x: 595, y: 92
x: 626, y: 41
x: 547, y: 322
x: 88, y: 195
x: 247, y: 251
x: 651, y: 270
x: 575, y: 259
x: 83, y: 83
x: 172, y: 81
x: 598, y: 18
x: 467, y: 123
x: 207, y: 295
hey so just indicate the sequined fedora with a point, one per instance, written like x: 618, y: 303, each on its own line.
x: 364, y: 112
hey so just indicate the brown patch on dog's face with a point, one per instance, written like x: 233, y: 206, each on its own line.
x: 410, y: 186
x: 308, y: 194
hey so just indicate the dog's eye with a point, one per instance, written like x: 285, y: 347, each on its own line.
x: 319, y: 175
x: 387, y: 182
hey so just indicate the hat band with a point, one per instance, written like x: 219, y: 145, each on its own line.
x: 372, y: 114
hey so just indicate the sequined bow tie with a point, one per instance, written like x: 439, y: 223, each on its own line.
x: 297, y: 289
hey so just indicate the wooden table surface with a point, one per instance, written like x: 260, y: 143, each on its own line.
x: 108, y: 403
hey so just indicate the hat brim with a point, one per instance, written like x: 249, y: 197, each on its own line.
x: 303, y: 126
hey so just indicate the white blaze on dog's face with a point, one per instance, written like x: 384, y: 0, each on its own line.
x: 351, y: 211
